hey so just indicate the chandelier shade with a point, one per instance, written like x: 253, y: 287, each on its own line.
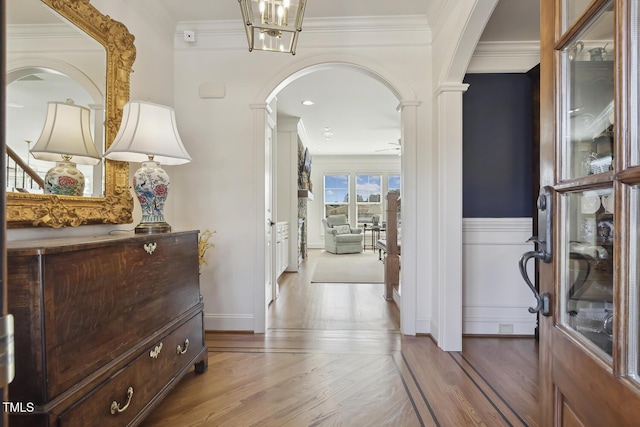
x: 273, y: 25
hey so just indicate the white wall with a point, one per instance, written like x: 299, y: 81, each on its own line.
x: 218, y: 187
x: 217, y: 190
x: 286, y: 171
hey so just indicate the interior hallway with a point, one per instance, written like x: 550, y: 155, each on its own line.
x: 320, y: 366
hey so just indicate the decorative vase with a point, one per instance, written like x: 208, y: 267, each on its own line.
x: 64, y: 179
x: 151, y: 185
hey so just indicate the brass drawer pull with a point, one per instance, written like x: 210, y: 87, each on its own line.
x: 115, y: 406
x: 156, y: 351
x: 150, y: 247
x: 181, y: 350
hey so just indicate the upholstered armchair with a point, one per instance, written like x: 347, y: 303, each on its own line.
x: 339, y: 237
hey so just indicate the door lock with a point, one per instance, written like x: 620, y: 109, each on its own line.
x: 543, y: 253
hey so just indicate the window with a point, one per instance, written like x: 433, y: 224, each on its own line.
x: 336, y: 195
x: 369, y: 198
x: 393, y: 186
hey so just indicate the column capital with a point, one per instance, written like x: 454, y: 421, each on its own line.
x: 407, y: 103
x: 451, y: 87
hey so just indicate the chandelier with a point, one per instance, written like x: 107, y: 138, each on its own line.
x: 273, y: 25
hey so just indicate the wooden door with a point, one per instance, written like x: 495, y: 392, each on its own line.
x: 3, y: 256
x: 589, y: 344
x: 6, y: 354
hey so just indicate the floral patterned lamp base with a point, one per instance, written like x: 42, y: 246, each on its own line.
x: 64, y: 179
x: 151, y: 185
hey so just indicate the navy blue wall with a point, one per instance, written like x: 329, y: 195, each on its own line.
x: 496, y: 151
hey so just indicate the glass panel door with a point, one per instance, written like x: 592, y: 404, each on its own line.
x: 587, y: 105
x: 634, y: 87
x: 571, y: 11
x: 587, y: 259
x: 634, y: 285
x: 589, y: 88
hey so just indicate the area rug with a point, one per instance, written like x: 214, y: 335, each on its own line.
x: 349, y: 268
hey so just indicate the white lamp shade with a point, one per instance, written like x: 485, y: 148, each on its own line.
x: 148, y: 129
x: 66, y: 132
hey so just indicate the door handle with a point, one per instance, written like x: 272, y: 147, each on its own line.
x: 543, y: 300
x: 543, y: 253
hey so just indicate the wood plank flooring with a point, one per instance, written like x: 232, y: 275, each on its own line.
x: 319, y: 366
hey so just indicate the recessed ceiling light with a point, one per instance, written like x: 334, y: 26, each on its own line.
x: 307, y: 102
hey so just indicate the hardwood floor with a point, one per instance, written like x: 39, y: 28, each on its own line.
x: 320, y: 366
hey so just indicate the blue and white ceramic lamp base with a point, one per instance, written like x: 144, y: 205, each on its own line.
x: 151, y: 186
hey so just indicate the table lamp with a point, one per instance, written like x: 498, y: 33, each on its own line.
x: 66, y: 135
x: 148, y: 134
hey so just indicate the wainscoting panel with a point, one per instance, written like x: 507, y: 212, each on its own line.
x: 495, y: 297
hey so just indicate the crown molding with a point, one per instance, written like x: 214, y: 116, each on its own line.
x: 40, y: 31
x: 505, y: 57
x: 316, y: 32
x: 32, y: 38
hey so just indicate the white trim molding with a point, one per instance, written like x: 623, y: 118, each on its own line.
x: 228, y: 322
x: 504, y: 57
x: 495, y: 297
x: 317, y: 32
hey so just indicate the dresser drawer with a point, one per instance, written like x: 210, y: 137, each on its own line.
x: 182, y: 345
x: 102, y: 301
x: 80, y: 306
x: 138, y: 383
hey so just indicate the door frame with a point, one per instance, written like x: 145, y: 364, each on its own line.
x: 408, y: 109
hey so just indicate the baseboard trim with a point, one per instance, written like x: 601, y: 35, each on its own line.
x: 496, y: 336
x: 228, y: 322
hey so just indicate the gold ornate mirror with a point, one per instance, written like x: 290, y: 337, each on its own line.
x: 115, y: 207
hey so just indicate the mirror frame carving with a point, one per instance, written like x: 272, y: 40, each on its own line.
x: 46, y: 210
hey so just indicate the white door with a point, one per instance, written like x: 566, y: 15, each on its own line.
x: 269, y: 261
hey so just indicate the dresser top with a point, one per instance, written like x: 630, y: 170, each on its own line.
x: 64, y: 244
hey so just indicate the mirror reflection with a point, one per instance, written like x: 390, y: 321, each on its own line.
x: 28, y: 98
x: 49, y: 60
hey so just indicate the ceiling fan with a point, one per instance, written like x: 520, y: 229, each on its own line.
x: 396, y: 147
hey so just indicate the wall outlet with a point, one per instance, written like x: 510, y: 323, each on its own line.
x: 189, y: 36
x: 505, y: 328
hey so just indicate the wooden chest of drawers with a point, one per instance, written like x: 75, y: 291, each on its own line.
x: 103, y: 320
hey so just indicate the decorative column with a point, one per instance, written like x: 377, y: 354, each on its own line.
x: 449, y: 230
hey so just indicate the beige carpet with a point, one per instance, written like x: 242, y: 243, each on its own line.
x: 349, y: 268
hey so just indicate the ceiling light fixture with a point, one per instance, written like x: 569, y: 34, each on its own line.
x: 273, y: 25
x: 307, y: 102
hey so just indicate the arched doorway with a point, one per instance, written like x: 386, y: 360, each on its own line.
x: 407, y: 105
